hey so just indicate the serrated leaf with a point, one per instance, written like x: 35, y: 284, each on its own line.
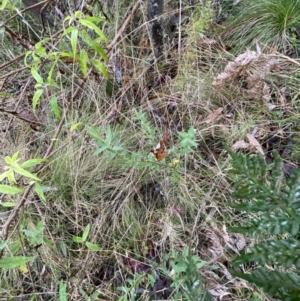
x: 14, y: 262
x: 92, y: 247
x: 39, y: 191
x: 18, y: 169
x: 37, y: 95
x: 55, y: 108
x: 7, y: 189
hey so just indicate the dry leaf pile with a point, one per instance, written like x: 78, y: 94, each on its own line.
x: 253, y: 67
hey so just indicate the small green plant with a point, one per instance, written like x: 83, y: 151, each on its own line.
x: 108, y: 141
x: 187, y: 281
x: 273, y: 202
x: 13, y: 168
x: 35, y: 236
x: 83, y: 239
x: 131, y: 290
x: 183, y: 282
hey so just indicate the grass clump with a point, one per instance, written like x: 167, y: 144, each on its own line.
x: 274, y: 23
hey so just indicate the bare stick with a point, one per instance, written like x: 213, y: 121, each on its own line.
x: 123, y: 27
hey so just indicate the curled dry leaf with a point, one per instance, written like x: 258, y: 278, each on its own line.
x: 241, y: 144
x: 233, y: 69
x: 137, y: 267
x: 213, y: 116
x: 160, y: 151
x: 254, y: 143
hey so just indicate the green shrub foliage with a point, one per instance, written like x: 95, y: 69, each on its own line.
x: 272, y: 202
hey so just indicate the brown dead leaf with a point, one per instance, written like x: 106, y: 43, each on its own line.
x: 27, y: 115
x: 213, y: 116
x: 137, y: 267
x: 254, y: 143
x: 241, y: 144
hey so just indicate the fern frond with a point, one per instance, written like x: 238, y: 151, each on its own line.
x: 286, y: 286
x: 274, y: 223
x: 285, y: 253
x: 263, y: 189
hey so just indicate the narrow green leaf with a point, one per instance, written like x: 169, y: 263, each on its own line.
x: 3, y: 244
x: 36, y: 75
x: 18, y: 169
x: 92, y: 247
x: 3, y: 5
x: 8, y: 160
x: 32, y: 162
x: 99, y: 49
x: 14, y: 262
x: 74, y: 38
x: 69, y: 29
x: 77, y: 239
x: 83, y: 62
x: 95, y: 19
x: 55, y: 108
x: 14, y: 157
x: 100, y: 67
x: 39, y: 191
x: 94, y: 133
x: 49, y: 77
x: 7, y: 189
x: 75, y: 126
x: 28, y: 54
x: 101, y: 150
x: 83, y: 293
x: 38, y: 93
x: 86, y: 232
x: 5, y: 175
x: 11, y: 177
x: 108, y: 135
x: 94, y: 27
x: 63, y: 291
x: 8, y: 204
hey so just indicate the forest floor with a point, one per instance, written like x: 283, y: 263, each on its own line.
x: 134, y: 189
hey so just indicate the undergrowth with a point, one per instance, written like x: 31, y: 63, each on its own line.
x: 99, y: 215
